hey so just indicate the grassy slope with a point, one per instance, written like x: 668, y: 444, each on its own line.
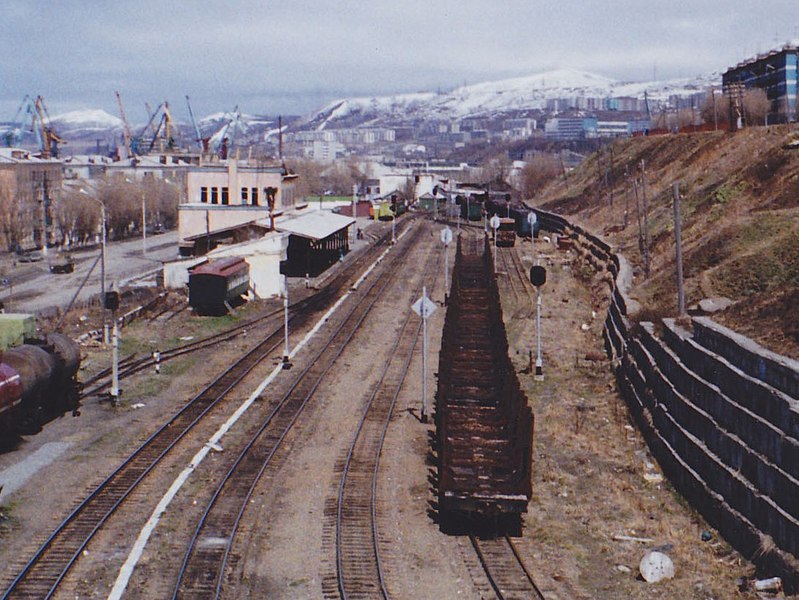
x: 740, y: 213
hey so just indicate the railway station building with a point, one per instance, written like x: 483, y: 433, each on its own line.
x: 224, y: 196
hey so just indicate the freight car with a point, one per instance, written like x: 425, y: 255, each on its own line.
x: 484, y: 426
x: 506, y: 233
x: 471, y: 208
x: 216, y: 286
x: 37, y: 383
x: 383, y: 212
x: 520, y: 214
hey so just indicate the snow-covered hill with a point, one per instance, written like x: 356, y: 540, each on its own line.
x: 508, y: 95
x: 494, y: 98
x: 86, y: 121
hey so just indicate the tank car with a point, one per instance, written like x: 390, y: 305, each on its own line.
x: 213, y: 286
x: 37, y: 384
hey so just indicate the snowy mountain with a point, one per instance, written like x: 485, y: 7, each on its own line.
x: 490, y: 99
x: 497, y: 97
x: 85, y: 121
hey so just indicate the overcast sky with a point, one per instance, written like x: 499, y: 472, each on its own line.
x: 293, y: 56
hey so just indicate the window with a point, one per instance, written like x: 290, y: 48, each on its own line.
x: 244, y: 194
x: 203, y: 194
x: 214, y: 195
x: 225, y: 196
x: 254, y: 196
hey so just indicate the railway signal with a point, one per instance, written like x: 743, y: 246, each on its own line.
x: 538, y: 277
x: 532, y: 218
x: 494, y: 222
x: 446, y: 238
x: 424, y: 307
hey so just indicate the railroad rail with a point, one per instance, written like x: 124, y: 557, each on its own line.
x: 43, y: 573
x: 132, y: 365
x: 359, y: 571
x: 505, y: 569
x: 512, y: 274
x: 202, y: 572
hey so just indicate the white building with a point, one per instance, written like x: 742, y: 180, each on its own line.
x: 223, y: 196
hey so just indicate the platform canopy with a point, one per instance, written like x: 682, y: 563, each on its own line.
x: 316, y: 225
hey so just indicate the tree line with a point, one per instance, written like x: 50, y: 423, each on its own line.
x: 74, y: 215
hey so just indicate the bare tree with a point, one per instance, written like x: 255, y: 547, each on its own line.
x: 537, y: 172
x: 310, y: 176
x: 16, y: 219
x: 496, y: 168
x: 77, y: 218
x: 716, y: 109
x: 756, y: 106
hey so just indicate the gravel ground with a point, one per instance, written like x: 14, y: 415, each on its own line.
x: 593, y: 477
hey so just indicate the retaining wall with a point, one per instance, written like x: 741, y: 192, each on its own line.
x: 719, y: 413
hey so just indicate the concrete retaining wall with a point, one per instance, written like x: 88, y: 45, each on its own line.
x: 718, y: 412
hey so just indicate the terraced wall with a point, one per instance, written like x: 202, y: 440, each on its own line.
x: 719, y: 413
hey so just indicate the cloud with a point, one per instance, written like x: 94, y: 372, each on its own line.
x: 284, y: 57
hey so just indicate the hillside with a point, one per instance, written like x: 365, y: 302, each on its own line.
x: 740, y: 214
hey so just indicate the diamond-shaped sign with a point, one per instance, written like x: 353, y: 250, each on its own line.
x: 424, y: 307
x: 446, y: 235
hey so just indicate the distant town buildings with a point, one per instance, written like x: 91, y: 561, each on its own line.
x: 776, y: 72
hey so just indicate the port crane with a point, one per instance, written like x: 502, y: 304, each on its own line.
x: 201, y: 141
x: 13, y: 136
x: 126, y: 133
x: 47, y: 138
x: 222, y: 141
x: 159, y: 124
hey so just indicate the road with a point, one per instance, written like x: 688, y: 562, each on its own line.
x: 31, y: 288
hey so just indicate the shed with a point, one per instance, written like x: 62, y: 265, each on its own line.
x: 316, y: 241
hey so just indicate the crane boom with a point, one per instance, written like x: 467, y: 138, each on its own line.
x: 197, y: 137
x: 49, y: 140
x: 125, y: 127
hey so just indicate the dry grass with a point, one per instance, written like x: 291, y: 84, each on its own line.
x: 740, y: 214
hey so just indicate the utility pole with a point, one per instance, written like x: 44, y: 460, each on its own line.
x: 354, y: 208
x: 143, y: 225
x: 646, y: 218
x: 678, y: 245
x: 286, y: 360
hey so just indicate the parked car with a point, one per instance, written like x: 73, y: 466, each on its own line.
x: 62, y: 264
x: 31, y: 256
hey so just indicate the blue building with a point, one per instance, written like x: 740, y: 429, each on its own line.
x: 776, y: 72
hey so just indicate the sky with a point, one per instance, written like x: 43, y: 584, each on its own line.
x: 294, y: 56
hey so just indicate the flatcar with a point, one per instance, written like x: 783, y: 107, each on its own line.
x: 37, y: 383
x: 484, y: 425
x: 215, y: 286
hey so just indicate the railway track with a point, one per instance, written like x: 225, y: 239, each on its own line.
x: 514, y: 276
x: 203, y: 569
x: 506, y: 572
x: 43, y: 573
x: 131, y: 365
x: 359, y: 571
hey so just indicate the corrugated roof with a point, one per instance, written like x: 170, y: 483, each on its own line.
x: 316, y: 225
